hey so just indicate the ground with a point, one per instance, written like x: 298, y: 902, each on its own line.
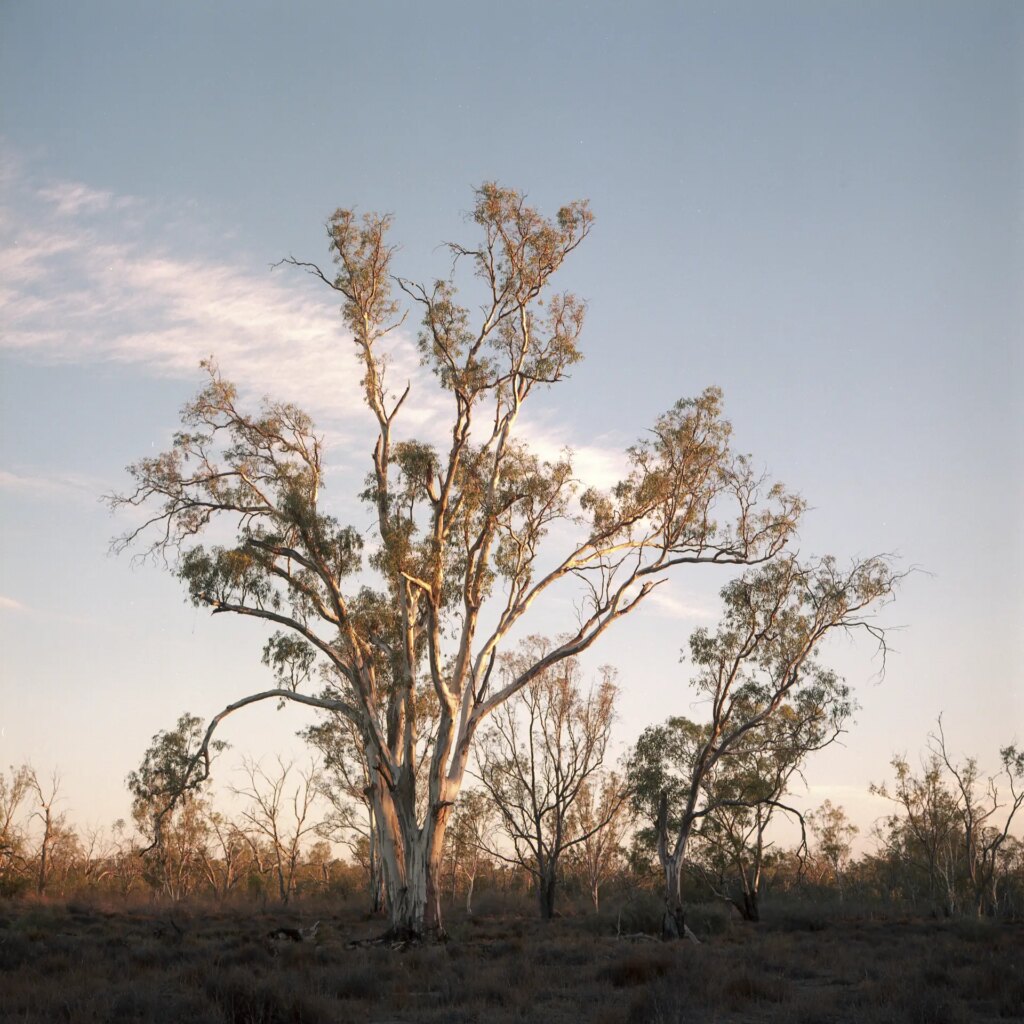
x: 90, y: 962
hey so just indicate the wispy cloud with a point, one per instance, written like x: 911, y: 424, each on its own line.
x: 70, y: 199
x: 45, y: 485
x: 600, y: 463
x: 81, y: 282
x: 667, y: 606
x: 15, y: 607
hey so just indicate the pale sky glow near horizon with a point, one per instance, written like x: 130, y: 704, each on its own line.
x: 816, y: 206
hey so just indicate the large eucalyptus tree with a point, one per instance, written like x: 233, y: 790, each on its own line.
x: 413, y: 636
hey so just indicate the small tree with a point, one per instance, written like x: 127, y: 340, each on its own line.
x: 52, y: 825
x: 95, y: 857
x: 175, y: 866
x: 69, y: 863
x: 922, y: 835
x: 14, y: 790
x: 281, y: 822
x: 126, y: 859
x: 168, y: 808
x: 542, y: 749
x: 761, y: 656
x: 317, y: 866
x: 833, y: 835
x: 977, y: 803
x: 947, y: 826
x: 460, y: 527
x: 225, y: 856
x: 601, y: 816
x: 745, y: 791
x: 469, y: 837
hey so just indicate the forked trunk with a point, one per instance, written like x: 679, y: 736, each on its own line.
x: 673, y: 922
x: 412, y: 874
x: 748, y: 906
x: 414, y: 908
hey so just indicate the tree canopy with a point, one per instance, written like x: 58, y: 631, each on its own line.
x: 457, y: 529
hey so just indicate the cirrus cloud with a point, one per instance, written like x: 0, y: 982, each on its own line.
x: 87, y: 276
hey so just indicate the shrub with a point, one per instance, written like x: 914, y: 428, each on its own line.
x: 637, y: 968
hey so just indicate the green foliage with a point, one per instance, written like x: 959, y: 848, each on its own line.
x: 662, y: 763
x: 758, y: 674
x: 14, y: 789
x: 677, y: 481
x: 521, y: 250
x: 222, y: 576
x: 833, y: 833
x: 290, y: 658
x: 169, y: 769
x: 1012, y: 760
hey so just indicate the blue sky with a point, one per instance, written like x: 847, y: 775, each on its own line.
x: 816, y: 206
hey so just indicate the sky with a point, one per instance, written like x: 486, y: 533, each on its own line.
x: 816, y: 206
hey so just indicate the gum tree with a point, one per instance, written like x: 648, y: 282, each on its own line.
x: 760, y: 659
x: 459, y: 560
x: 921, y: 836
x: 536, y: 758
x: 170, y: 807
x: 977, y: 802
x: 601, y: 817
x: 744, y: 789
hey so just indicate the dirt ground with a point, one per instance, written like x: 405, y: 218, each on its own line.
x: 86, y: 962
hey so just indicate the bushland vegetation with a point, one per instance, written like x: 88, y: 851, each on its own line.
x: 108, y: 958
x: 181, y: 929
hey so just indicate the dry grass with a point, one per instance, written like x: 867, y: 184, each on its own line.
x: 84, y: 963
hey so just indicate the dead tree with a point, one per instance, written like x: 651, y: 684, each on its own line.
x: 46, y: 797
x: 282, y: 821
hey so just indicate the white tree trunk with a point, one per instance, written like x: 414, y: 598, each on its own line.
x: 411, y: 860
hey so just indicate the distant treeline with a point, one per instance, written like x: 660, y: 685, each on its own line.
x: 943, y: 851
